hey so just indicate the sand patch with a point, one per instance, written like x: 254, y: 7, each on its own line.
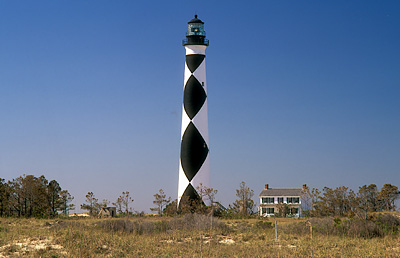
x: 27, y: 245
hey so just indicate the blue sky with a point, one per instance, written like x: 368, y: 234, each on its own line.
x: 299, y: 92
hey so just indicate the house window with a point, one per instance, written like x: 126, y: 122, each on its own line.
x: 267, y: 200
x: 270, y: 210
x: 293, y: 200
x: 280, y: 199
x: 264, y: 210
x: 294, y: 211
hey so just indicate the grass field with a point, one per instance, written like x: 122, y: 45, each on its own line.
x: 190, y: 236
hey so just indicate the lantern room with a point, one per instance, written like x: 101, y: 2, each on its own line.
x: 196, y: 34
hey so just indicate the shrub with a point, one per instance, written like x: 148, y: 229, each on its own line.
x: 375, y: 227
x: 244, y: 226
x: 263, y: 224
x: 388, y: 223
x: 194, y: 221
x: 362, y: 228
x: 299, y: 228
x: 138, y: 227
x: 323, y: 225
x: 187, y: 222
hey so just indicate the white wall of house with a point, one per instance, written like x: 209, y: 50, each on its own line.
x: 268, y: 205
x: 284, y: 199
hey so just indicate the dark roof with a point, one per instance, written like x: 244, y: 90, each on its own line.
x: 281, y: 192
x: 196, y: 20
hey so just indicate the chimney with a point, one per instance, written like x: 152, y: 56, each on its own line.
x: 266, y: 186
x: 304, y: 187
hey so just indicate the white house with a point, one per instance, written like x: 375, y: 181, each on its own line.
x: 272, y: 198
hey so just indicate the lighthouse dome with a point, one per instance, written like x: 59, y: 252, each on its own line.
x: 196, y: 20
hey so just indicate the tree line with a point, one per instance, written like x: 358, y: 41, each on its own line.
x: 243, y: 206
x: 343, y: 201
x: 30, y: 196
x: 340, y: 201
x: 93, y: 206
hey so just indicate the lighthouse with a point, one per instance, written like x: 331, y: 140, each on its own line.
x: 194, y: 167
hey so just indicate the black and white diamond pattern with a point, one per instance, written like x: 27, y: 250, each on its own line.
x: 194, y: 164
x: 194, y: 151
x: 194, y: 97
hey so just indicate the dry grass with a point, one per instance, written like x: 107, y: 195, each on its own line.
x: 179, y: 237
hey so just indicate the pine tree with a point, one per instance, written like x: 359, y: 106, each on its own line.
x: 160, y: 200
